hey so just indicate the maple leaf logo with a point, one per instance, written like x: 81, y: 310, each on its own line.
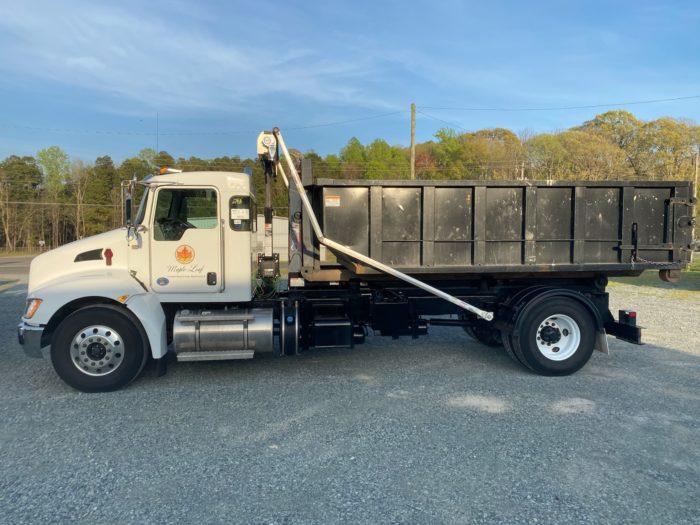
x: 184, y: 254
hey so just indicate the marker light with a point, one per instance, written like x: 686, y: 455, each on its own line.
x: 32, y: 307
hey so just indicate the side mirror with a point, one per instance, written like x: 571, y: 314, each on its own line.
x: 128, y: 207
x: 127, y: 210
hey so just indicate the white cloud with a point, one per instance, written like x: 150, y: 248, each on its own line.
x: 140, y: 57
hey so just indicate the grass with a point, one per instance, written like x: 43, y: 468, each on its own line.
x: 18, y: 254
x: 695, y: 265
x: 687, y: 288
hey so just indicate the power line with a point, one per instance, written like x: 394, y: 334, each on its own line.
x: 340, y: 122
x: 564, y: 108
x: 76, y: 131
x: 451, y: 124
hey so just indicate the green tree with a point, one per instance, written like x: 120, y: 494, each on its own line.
x: 426, y: 161
x: 77, y: 184
x: 133, y: 168
x: 20, y: 179
x: 55, y: 166
x: 385, y: 161
x: 669, y: 147
x: 592, y: 157
x: 102, y: 196
x: 354, y: 158
x: 623, y: 129
x: 192, y: 164
x: 163, y: 159
x: 493, y: 154
x: 546, y: 157
x: 449, y: 154
x: 148, y: 156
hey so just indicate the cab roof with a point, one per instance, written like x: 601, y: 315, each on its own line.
x: 221, y: 179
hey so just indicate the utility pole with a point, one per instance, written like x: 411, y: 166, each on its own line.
x: 697, y: 157
x: 413, y: 141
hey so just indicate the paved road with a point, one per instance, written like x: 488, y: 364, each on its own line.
x: 436, y: 430
x: 14, y: 268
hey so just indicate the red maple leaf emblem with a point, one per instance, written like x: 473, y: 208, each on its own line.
x: 184, y: 254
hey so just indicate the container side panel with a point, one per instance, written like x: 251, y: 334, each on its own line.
x: 401, y: 214
x: 346, y: 217
x: 504, y: 214
x: 602, y: 214
x: 602, y: 239
x: 453, y: 253
x: 649, y: 212
x: 554, y: 225
x: 553, y: 252
x: 601, y: 252
x: 503, y: 253
x: 466, y: 227
x: 554, y: 214
x: 661, y: 256
x: 504, y: 223
x: 401, y: 226
x: 401, y: 254
x: 453, y: 214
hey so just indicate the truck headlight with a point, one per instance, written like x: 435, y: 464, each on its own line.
x: 32, y: 307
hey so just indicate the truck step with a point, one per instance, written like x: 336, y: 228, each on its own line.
x: 215, y: 356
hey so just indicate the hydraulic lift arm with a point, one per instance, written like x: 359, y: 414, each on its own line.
x: 268, y: 150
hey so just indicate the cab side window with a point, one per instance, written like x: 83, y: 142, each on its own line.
x: 243, y: 214
x: 178, y: 210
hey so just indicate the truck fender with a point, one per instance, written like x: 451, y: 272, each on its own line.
x: 533, y: 296
x: 61, y: 296
x: 81, y: 288
x: 561, y: 292
x: 148, y: 310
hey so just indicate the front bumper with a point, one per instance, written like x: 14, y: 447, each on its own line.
x: 30, y: 338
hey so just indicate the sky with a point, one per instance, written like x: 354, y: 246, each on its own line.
x: 203, y: 78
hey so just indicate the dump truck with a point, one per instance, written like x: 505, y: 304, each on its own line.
x: 518, y: 264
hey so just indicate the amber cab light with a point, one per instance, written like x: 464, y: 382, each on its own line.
x: 32, y: 307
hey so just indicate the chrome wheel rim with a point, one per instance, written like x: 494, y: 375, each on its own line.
x: 97, y: 350
x: 558, y: 337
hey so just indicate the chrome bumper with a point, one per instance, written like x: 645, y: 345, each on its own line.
x: 30, y: 339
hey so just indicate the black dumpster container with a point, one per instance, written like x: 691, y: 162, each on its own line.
x: 476, y: 227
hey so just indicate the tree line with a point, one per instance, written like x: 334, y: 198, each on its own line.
x: 49, y: 199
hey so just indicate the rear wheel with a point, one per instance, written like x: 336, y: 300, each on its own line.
x: 484, y: 332
x: 508, y: 345
x: 98, y: 349
x: 556, y: 337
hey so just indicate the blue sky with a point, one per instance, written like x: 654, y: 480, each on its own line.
x: 91, y: 76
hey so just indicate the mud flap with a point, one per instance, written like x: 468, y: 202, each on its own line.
x: 601, y: 342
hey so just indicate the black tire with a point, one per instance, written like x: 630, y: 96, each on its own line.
x: 484, y: 332
x: 525, y: 345
x: 132, y: 349
x: 508, y: 346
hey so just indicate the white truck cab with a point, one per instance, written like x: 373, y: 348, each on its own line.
x: 190, y: 243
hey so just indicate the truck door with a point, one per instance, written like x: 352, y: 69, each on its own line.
x: 186, y: 255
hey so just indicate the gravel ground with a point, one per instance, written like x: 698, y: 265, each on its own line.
x: 435, y: 430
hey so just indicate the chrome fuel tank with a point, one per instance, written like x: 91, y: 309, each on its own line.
x: 246, y: 331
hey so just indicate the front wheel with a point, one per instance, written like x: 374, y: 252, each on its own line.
x: 556, y: 337
x: 98, y: 349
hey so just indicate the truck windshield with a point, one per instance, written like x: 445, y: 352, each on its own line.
x: 142, y: 207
